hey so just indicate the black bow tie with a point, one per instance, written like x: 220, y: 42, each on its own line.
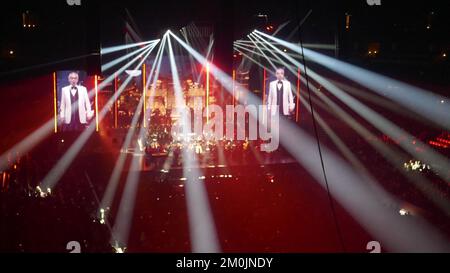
x: 74, y: 87
x: 280, y: 82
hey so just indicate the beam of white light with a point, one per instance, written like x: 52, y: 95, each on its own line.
x: 429, y: 154
x: 305, y: 45
x: 217, y: 73
x: 378, y: 100
x: 253, y: 60
x: 398, y: 234
x: 112, y: 63
x: 112, y: 49
x: 283, y: 25
x: 264, y: 48
x: 436, y: 160
x: 208, y: 56
x: 156, y: 70
x: 30, y: 141
x: 422, y: 184
x: 194, y: 32
x: 373, y: 98
x: 193, y: 67
x: 397, y: 160
x: 201, y: 222
x: 349, y: 155
x: 61, y: 166
x: 122, y: 69
x: 427, y: 188
x: 122, y: 226
x: 362, y: 200
x: 273, y: 53
x: 320, y: 46
x: 262, y: 52
x: 113, y: 182
x: 131, y: 29
x: 277, y: 60
x: 384, y: 102
x: 381, y: 195
x: 420, y: 101
x: 239, y: 48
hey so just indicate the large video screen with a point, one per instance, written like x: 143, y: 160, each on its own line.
x: 75, y: 97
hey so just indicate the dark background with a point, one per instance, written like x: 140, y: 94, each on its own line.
x: 62, y: 31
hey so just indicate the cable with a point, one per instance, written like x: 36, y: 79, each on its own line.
x: 330, y: 197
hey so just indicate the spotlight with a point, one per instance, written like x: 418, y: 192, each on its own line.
x: 108, y: 50
x: 444, y: 54
x: 118, y: 249
x: 11, y: 52
x: 42, y: 193
x: 102, y: 216
x: 403, y: 212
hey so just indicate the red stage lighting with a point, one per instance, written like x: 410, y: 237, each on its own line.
x: 298, y: 96
x: 270, y: 28
x: 96, y: 102
x: 234, y: 87
x: 116, y: 87
x: 207, y: 92
x: 264, y: 86
x: 55, y: 110
x: 144, y: 82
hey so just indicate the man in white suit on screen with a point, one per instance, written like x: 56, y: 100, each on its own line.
x: 75, y: 109
x: 280, y: 94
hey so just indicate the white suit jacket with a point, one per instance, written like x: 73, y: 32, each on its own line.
x: 84, y: 105
x: 288, y: 98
